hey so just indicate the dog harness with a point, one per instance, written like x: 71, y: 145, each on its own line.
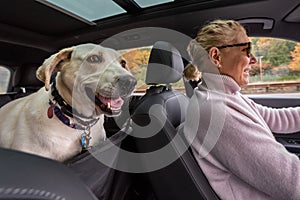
x: 64, y: 112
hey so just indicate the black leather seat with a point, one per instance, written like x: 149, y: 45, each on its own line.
x: 5, y: 98
x: 157, y: 120
x: 25, y: 176
x: 23, y: 83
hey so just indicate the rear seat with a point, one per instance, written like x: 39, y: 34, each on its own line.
x: 24, y: 82
x: 5, y: 98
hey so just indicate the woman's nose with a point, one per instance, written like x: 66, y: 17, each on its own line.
x: 253, y: 60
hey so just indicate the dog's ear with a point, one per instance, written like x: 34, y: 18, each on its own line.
x: 52, y: 65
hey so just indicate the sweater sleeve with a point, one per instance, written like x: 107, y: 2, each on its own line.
x: 247, y: 150
x: 282, y: 120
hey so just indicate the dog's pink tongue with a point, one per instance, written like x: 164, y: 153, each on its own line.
x: 114, y: 103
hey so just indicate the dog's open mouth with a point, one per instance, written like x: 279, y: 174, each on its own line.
x: 109, y: 105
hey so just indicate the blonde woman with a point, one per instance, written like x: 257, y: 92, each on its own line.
x: 231, y: 136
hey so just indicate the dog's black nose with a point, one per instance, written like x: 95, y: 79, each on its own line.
x: 126, y: 85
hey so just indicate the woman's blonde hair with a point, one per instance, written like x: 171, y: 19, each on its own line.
x: 191, y: 72
x: 215, y: 33
x: 218, y: 32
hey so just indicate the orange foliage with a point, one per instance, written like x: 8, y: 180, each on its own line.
x: 264, y: 42
x: 136, y: 57
x: 295, y: 63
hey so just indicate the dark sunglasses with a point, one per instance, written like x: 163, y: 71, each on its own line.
x: 248, y: 49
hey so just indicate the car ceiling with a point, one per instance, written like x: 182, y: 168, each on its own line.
x: 30, y: 31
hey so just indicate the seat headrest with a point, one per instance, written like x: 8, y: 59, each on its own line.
x: 165, y: 64
x: 25, y: 77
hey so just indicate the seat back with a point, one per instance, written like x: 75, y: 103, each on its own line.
x: 157, y: 120
x: 161, y: 105
x: 5, y: 98
x: 24, y: 82
x: 25, y: 176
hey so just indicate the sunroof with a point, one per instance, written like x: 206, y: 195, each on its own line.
x: 147, y: 3
x: 89, y: 10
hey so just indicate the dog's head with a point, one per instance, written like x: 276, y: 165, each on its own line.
x: 92, y: 79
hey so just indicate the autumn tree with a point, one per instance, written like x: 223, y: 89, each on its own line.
x: 137, y: 61
x: 295, y: 63
x: 137, y: 57
x: 279, y: 52
x: 261, y: 46
x: 275, y: 52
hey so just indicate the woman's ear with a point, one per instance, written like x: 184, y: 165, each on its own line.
x: 214, y: 54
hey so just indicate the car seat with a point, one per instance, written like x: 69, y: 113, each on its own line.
x: 157, y: 123
x: 25, y: 81
x: 4, y: 99
x: 25, y: 176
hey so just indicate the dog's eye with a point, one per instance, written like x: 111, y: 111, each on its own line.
x: 94, y: 59
x: 123, y: 63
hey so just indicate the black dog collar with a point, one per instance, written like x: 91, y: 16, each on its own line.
x: 68, y: 110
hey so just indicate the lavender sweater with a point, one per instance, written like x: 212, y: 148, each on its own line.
x: 233, y: 143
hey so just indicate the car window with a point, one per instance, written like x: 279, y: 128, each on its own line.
x: 278, y: 66
x: 4, y: 79
x: 137, y: 61
x: 277, y: 69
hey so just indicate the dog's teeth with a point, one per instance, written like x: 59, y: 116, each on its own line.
x: 108, y: 105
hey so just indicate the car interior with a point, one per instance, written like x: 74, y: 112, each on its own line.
x: 32, y: 30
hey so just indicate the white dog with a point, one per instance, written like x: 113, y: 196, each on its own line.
x: 61, y: 119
